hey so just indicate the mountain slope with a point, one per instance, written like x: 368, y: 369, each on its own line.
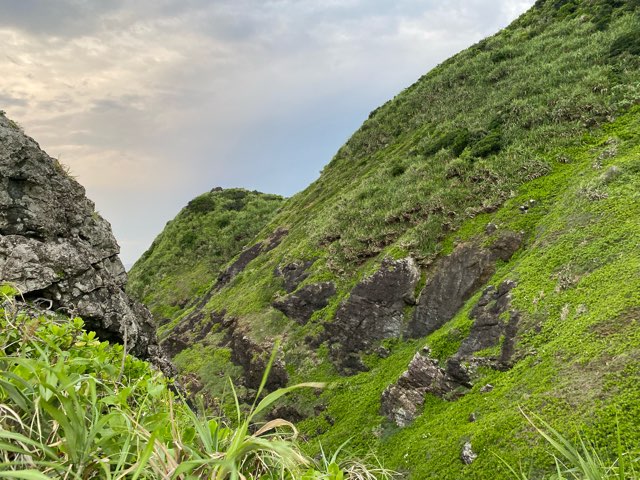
x: 488, y: 212
x: 189, y: 253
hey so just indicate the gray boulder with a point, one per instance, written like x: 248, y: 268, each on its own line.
x: 54, y: 245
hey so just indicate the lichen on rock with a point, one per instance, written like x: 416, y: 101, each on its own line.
x: 55, y: 246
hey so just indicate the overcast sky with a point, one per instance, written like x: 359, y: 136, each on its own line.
x: 152, y: 102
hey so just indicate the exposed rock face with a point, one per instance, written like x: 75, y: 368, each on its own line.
x: 245, y: 352
x: 192, y: 329
x: 300, y: 305
x: 253, y: 358
x: 293, y: 274
x: 488, y: 326
x: 54, y: 245
x: 179, y: 339
x: 374, y: 310
x: 402, y: 401
x: 456, y: 279
x: 248, y: 255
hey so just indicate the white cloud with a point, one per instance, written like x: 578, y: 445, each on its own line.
x: 169, y: 98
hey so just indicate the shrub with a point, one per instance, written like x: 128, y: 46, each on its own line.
x: 626, y: 43
x: 456, y: 140
x: 490, y: 143
x: 202, y: 204
x: 74, y: 407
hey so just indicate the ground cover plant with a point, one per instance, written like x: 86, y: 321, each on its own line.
x: 187, y: 257
x: 74, y: 407
x: 534, y: 131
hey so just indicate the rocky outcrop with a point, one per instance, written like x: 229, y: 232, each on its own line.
x: 178, y: 340
x: 456, y: 278
x: 191, y: 330
x: 254, y: 358
x: 248, y: 255
x: 293, y: 274
x: 489, y: 327
x: 300, y: 305
x: 402, y: 401
x: 374, y: 311
x: 55, y: 246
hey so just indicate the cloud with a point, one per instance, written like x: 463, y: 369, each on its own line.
x: 60, y: 18
x: 152, y: 102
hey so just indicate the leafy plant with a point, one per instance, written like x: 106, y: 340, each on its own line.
x: 70, y: 409
x: 580, y: 460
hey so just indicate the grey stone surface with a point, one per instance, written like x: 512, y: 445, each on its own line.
x: 456, y: 278
x: 467, y: 455
x: 489, y: 326
x: 293, y: 274
x: 54, y: 245
x: 254, y: 357
x: 300, y: 305
x: 403, y: 400
x: 374, y: 311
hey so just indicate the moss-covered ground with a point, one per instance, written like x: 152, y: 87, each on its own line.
x: 186, y: 258
x: 546, y: 110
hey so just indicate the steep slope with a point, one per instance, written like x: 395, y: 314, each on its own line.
x: 488, y: 212
x: 192, y: 249
x: 58, y: 251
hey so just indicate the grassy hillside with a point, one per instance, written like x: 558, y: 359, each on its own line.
x: 535, y: 131
x: 75, y: 407
x: 188, y: 255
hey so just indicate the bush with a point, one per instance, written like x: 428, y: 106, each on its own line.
x: 74, y: 407
x: 626, y: 43
x: 202, y: 204
x: 490, y: 143
x: 456, y: 140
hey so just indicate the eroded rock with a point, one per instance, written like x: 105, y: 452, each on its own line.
x: 190, y: 330
x: 374, y: 311
x: 254, y: 358
x: 177, y: 344
x: 467, y: 455
x: 293, y: 274
x: 456, y: 278
x: 402, y: 401
x: 54, y: 245
x: 248, y: 255
x: 300, y: 305
x: 490, y: 327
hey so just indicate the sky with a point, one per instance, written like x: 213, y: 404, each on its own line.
x: 153, y: 102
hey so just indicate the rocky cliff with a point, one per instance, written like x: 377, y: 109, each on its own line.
x: 59, y: 252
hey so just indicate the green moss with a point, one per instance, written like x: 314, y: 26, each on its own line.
x: 189, y: 254
x: 525, y: 118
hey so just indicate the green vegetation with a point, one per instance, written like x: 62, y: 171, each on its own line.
x: 187, y: 257
x: 546, y: 110
x: 74, y: 407
x: 581, y: 462
x: 579, y: 348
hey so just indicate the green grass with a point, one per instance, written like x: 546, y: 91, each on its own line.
x: 189, y: 254
x: 546, y: 110
x: 74, y: 407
